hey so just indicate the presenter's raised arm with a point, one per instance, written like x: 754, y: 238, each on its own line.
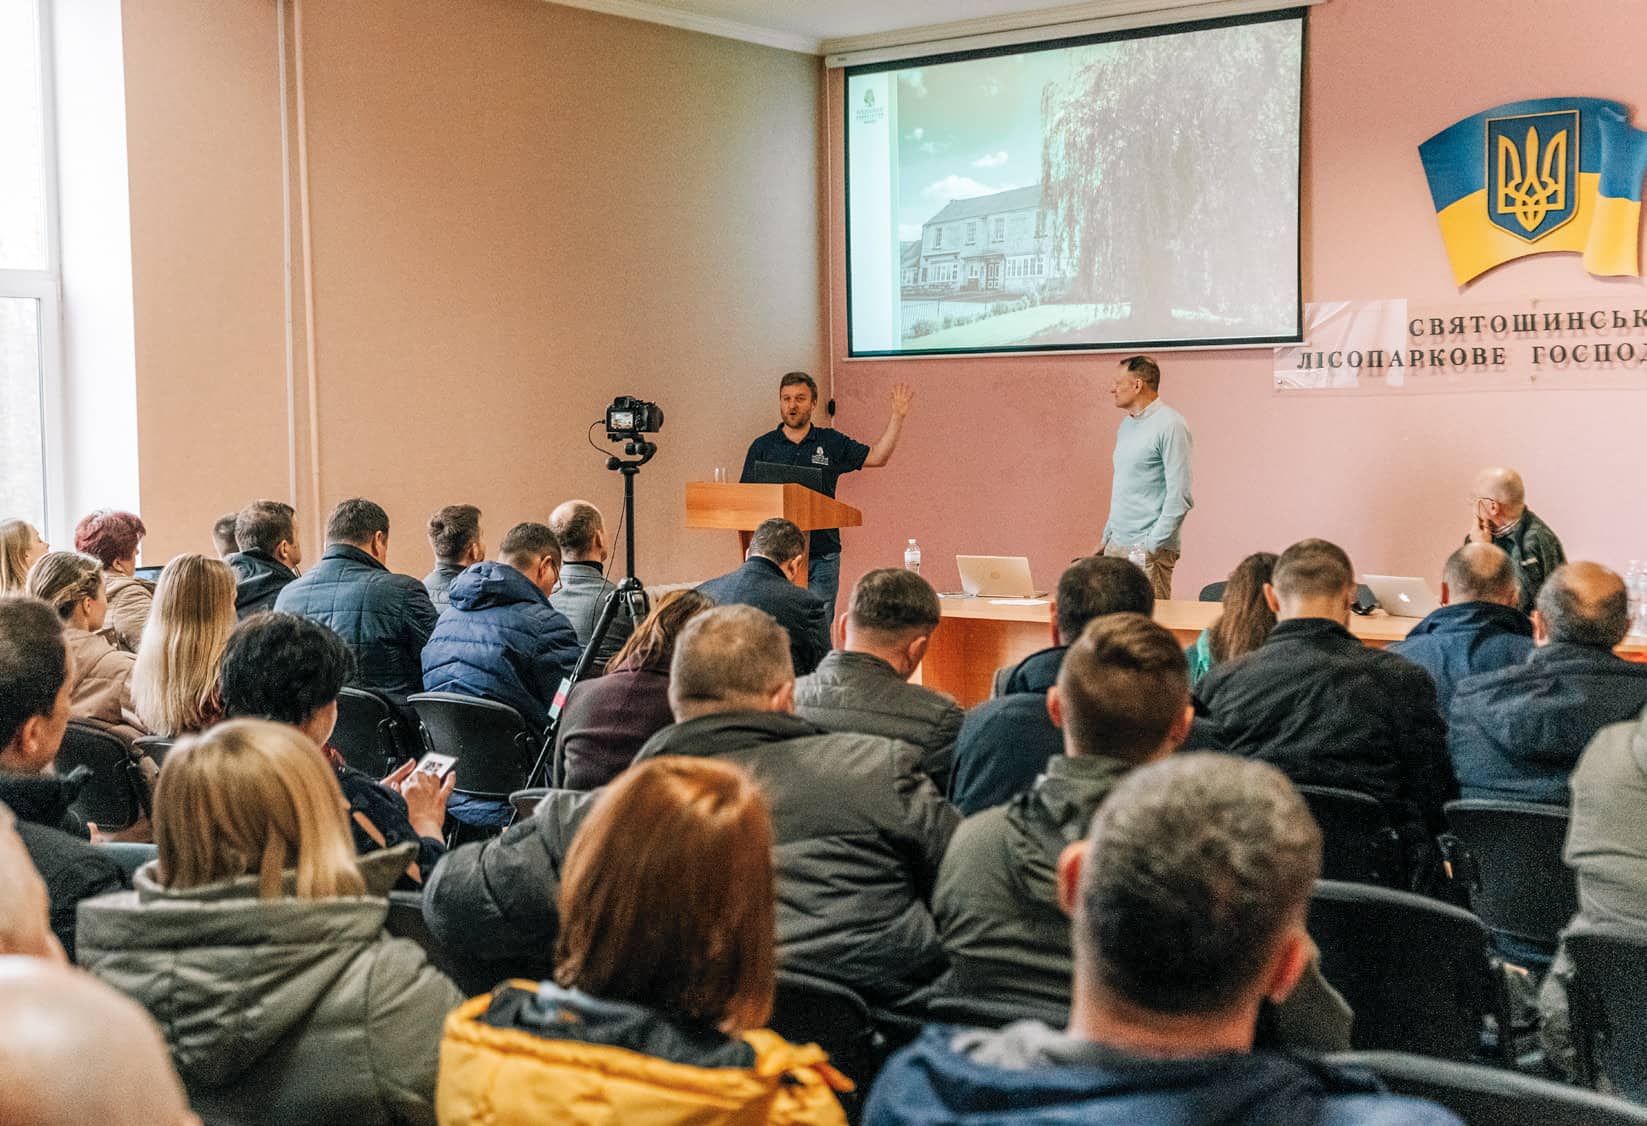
x: 881, y: 452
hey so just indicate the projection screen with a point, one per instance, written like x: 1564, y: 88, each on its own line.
x: 1123, y: 191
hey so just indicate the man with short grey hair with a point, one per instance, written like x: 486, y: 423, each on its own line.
x: 584, y: 587
x: 1478, y: 627
x: 863, y: 684
x: 768, y: 581
x: 1502, y: 517
x: 1189, y: 897
x: 1516, y: 734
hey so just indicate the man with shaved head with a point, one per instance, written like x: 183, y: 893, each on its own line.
x: 73, y: 1051
x: 1517, y: 733
x: 1479, y: 627
x: 584, y: 587
x: 1503, y: 518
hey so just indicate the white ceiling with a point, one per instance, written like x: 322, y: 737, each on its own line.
x: 816, y: 26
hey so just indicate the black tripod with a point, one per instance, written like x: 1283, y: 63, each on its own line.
x: 629, y: 596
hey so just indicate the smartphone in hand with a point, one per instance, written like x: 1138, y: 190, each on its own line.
x: 438, y: 765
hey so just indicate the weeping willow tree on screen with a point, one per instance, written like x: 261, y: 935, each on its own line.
x: 1170, y: 180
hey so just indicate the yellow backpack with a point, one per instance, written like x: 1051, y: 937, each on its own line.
x: 497, y: 1076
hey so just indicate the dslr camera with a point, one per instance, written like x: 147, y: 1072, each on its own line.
x: 629, y: 418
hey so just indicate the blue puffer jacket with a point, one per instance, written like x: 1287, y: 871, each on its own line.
x: 1516, y: 734
x: 1465, y: 640
x: 383, y: 616
x: 499, y: 639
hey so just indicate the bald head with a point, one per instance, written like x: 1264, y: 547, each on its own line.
x: 731, y: 659
x: 1501, y: 484
x: 72, y: 1050
x: 581, y: 531
x: 1583, y: 604
x: 1481, y: 572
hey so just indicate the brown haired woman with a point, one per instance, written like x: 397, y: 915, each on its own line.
x: 609, y: 718
x: 665, y: 973
x: 100, y: 677
x: 1246, y: 621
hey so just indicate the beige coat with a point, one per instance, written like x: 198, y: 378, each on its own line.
x: 129, y: 601
x: 102, y: 687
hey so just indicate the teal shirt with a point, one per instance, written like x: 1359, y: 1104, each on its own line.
x: 1150, y: 495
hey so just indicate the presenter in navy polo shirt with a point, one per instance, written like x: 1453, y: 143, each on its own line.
x: 797, y: 442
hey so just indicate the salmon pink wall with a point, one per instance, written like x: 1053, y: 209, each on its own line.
x: 1013, y: 455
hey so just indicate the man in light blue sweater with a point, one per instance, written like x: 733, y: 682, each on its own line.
x: 1150, y: 494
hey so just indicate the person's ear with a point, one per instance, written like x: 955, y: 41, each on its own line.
x: 1055, y: 707
x: 1446, y: 594
x: 1179, y: 731
x: 1271, y: 599
x: 20, y: 753
x: 1541, y: 632
x: 837, y: 630
x: 1052, y: 616
x: 380, y: 545
x: 917, y: 650
x: 783, y: 700
x: 1069, y: 875
x: 1293, y: 957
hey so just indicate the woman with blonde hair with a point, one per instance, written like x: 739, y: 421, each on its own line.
x: 665, y: 972
x: 256, y: 902
x: 175, y: 683
x: 20, y: 548
x: 100, y: 671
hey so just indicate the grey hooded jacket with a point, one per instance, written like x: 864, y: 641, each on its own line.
x: 279, y: 1010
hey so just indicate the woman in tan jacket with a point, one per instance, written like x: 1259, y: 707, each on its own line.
x: 101, y: 671
x: 114, y: 537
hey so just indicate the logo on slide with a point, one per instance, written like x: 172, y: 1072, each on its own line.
x: 1532, y: 171
x: 869, y: 98
x: 1539, y: 177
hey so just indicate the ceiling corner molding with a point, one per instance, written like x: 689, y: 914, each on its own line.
x: 1090, y: 17
x: 691, y: 21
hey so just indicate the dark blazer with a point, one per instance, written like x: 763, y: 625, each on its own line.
x: 761, y: 584
x: 258, y: 580
x: 1516, y: 734
x: 386, y: 618
x: 1005, y: 743
x: 1328, y: 710
x: 1464, y: 639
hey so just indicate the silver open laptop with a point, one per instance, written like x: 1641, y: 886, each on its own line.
x: 995, y: 576
x: 1402, y: 596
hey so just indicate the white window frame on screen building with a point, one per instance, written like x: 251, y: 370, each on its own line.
x: 45, y: 285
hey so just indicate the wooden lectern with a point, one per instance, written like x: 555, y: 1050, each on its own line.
x: 742, y: 508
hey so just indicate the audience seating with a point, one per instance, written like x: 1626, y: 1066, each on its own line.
x: 1358, y: 842
x: 155, y: 746
x: 1212, y: 592
x: 370, y: 734
x: 472, y: 976
x: 1486, y: 1096
x: 116, y: 793
x: 1508, y: 856
x: 812, y: 1010
x: 129, y: 855
x: 1419, y: 974
x: 490, y: 741
x: 526, y: 802
x: 1605, y: 999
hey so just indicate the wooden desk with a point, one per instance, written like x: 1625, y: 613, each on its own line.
x: 979, y: 635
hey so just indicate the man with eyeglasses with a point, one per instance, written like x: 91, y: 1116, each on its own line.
x: 1502, y: 517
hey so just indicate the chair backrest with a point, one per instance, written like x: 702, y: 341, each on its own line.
x: 472, y: 976
x: 1491, y: 1096
x: 1418, y: 973
x: 1358, y: 843
x: 490, y: 741
x: 812, y: 1010
x: 1609, y: 1020
x: 155, y: 746
x: 979, y: 1012
x: 1508, y: 855
x: 1212, y: 592
x: 526, y: 802
x: 129, y: 855
x: 109, y: 797
x: 367, y: 734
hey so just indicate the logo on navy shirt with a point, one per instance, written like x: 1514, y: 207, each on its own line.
x: 819, y: 457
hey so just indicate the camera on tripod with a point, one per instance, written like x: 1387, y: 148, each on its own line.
x: 629, y: 418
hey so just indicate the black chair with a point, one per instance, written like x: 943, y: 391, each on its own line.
x: 1609, y: 1021
x: 116, y: 792
x: 155, y: 746
x: 977, y: 1012
x: 490, y: 741
x: 1488, y: 1096
x: 1358, y: 842
x: 812, y: 1010
x: 473, y: 976
x: 370, y: 734
x: 1419, y: 974
x: 129, y: 855
x: 1508, y: 856
x: 1212, y: 592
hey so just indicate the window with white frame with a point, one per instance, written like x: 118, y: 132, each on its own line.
x: 29, y: 283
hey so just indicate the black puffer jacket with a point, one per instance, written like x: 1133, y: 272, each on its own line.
x: 386, y: 618
x: 258, y: 580
x: 861, y: 692
x: 860, y: 833
x: 71, y: 867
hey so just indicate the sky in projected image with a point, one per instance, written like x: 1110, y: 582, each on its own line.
x: 1132, y: 190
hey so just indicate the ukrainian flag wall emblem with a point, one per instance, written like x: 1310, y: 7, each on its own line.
x: 1555, y: 174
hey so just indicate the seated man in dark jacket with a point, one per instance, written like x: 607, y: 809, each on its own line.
x: 1516, y: 734
x: 1479, y: 627
x: 863, y: 684
x: 499, y: 638
x: 1189, y: 898
x: 266, y: 533
x: 386, y: 618
x: 454, y: 534
x: 34, y: 713
x: 1006, y: 742
x: 767, y: 581
x: 288, y: 669
x: 859, y: 828
x: 1327, y: 709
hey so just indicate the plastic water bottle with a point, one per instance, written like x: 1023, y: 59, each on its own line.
x: 1635, y: 582
x: 912, y: 557
x: 1137, y: 556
